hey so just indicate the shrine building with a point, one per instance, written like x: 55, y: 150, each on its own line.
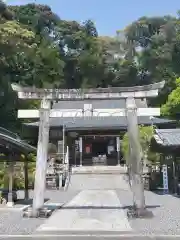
x: 92, y: 139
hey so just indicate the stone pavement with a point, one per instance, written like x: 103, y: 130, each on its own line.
x: 95, y: 208
x: 95, y: 182
x: 90, y: 210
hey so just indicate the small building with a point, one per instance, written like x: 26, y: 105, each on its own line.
x: 93, y: 139
x: 166, y: 142
x: 12, y: 150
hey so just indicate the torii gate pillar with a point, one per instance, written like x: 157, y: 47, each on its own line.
x: 135, y: 156
x: 42, y: 155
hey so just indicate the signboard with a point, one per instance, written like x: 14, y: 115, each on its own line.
x: 165, y: 178
x: 88, y: 110
x: 77, y: 146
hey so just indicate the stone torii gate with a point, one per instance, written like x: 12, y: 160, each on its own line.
x: 45, y: 113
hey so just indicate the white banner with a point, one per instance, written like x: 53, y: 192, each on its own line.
x: 118, y: 144
x: 80, y: 144
x: 165, y: 177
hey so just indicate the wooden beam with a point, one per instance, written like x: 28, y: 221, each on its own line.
x: 58, y: 113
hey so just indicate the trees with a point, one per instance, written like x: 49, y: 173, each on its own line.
x: 14, y: 41
x: 81, y: 52
x: 155, y: 44
x: 37, y: 48
x: 145, y: 136
x: 172, y: 107
x: 77, y: 44
x: 27, y: 59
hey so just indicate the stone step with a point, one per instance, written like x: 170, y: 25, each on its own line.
x: 99, y: 170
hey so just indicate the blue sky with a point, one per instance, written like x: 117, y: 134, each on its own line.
x: 109, y: 15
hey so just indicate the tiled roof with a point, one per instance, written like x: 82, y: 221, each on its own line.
x: 112, y: 122
x: 168, y: 137
x: 9, y: 138
x: 98, y: 122
x: 101, y: 104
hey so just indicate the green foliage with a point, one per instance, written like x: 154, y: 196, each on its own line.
x: 145, y: 136
x: 172, y: 107
x: 27, y: 56
x: 157, y: 38
x: 153, y: 157
x: 125, y: 147
x: 31, y: 158
x: 18, y: 176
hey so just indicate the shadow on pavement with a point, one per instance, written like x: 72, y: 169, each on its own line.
x: 27, y: 201
x: 107, y: 207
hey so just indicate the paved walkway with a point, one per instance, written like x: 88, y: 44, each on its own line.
x: 90, y: 210
x: 100, y: 182
x: 95, y: 208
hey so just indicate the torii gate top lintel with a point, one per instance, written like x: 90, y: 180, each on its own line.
x: 92, y: 93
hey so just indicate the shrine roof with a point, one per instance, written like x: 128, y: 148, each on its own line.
x: 167, y: 137
x: 10, y: 140
x: 111, y: 122
x: 99, y: 104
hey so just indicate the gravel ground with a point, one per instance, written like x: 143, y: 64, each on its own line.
x: 165, y: 208
x: 12, y: 222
